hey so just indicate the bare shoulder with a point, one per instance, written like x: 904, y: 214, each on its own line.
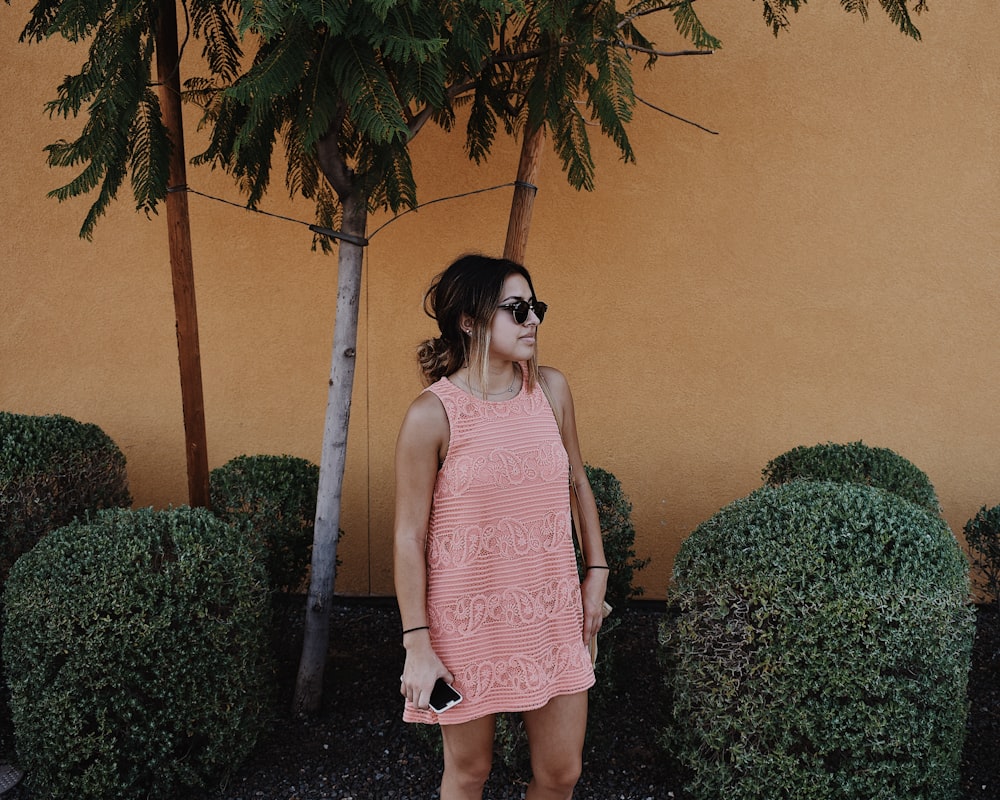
x: 555, y: 381
x: 426, y: 414
x: 420, y: 449
x: 557, y: 390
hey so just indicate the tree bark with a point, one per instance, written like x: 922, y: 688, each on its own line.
x: 181, y: 265
x: 523, y: 202
x: 316, y: 636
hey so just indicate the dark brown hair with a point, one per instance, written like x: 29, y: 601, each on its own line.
x: 470, y: 286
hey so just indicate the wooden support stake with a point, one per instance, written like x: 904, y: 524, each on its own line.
x: 181, y: 266
x: 524, y: 195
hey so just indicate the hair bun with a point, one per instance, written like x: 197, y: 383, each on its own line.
x: 436, y: 358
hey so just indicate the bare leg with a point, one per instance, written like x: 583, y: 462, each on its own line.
x: 555, y: 737
x: 468, y: 756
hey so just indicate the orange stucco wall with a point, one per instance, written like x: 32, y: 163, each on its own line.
x: 823, y: 269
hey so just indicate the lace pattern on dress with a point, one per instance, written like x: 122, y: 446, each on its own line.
x: 520, y: 674
x: 506, y: 539
x: 503, y: 593
x: 513, y: 608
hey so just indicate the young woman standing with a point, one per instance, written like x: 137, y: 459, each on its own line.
x: 485, y: 572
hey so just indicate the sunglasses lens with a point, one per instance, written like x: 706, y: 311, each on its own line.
x: 522, y: 308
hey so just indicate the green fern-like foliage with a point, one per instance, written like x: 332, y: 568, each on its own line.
x: 124, y: 136
x: 776, y: 13
x: 689, y: 26
x: 341, y: 88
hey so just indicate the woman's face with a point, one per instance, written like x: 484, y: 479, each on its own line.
x: 510, y: 340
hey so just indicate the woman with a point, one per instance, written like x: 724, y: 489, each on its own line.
x: 486, y: 579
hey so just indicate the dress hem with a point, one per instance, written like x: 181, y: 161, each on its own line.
x: 437, y: 719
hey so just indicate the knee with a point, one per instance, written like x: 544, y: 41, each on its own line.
x: 468, y: 771
x: 559, y: 778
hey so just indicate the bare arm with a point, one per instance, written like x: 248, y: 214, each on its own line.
x: 595, y: 582
x: 422, y: 443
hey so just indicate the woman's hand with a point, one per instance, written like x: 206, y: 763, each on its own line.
x: 593, y: 589
x: 421, y: 670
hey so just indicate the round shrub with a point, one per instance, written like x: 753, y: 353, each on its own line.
x: 982, y: 535
x: 134, y: 652
x: 819, y: 648
x: 854, y: 463
x: 274, y: 498
x: 615, y: 512
x: 53, y: 469
x: 614, y: 509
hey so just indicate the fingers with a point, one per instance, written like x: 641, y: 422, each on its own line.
x: 417, y: 693
x: 420, y: 671
x: 592, y: 625
x: 413, y: 693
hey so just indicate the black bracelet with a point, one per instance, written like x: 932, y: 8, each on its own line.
x: 418, y: 628
x: 598, y: 566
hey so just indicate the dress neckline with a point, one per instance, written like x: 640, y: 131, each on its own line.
x: 518, y: 394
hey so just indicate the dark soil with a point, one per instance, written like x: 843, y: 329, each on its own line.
x: 358, y: 748
x: 981, y: 756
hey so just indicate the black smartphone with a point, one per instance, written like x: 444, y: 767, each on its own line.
x: 443, y: 697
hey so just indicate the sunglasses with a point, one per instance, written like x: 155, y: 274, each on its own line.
x: 520, y: 309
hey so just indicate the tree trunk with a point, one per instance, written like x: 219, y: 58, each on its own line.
x: 181, y: 266
x: 524, y: 195
x: 316, y: 636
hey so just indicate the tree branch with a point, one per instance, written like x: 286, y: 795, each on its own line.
x: 653, y: 52
x: 514, y: 58
x: 668, y: 7
x: 416, y: 121
x: 527, y: 55
x: 332, y: 161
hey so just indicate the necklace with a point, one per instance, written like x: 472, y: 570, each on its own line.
x: 508, y: 390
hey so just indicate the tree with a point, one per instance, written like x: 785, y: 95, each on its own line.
x: 129, y: 134
x: 388, y: 68
x: 345, y: 86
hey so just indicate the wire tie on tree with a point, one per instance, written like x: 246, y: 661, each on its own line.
x: 360, y: 241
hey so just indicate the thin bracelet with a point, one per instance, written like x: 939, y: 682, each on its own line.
x: 418, y: 628
x: 598, y: 566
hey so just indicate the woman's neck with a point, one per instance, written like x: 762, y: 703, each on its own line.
x: 501, y: 381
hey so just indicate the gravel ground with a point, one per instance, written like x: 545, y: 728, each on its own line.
x: 358, y: 748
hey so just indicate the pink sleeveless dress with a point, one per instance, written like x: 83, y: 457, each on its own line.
x: 503, y: 594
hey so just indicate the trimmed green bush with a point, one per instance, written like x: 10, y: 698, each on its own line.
x: 854, y: 463
x: 819, y: 648
x: 982, y: 535
x: 615, y: 512
x: 53, y: 469
x: 135, y: 654
x: 273, y: 497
